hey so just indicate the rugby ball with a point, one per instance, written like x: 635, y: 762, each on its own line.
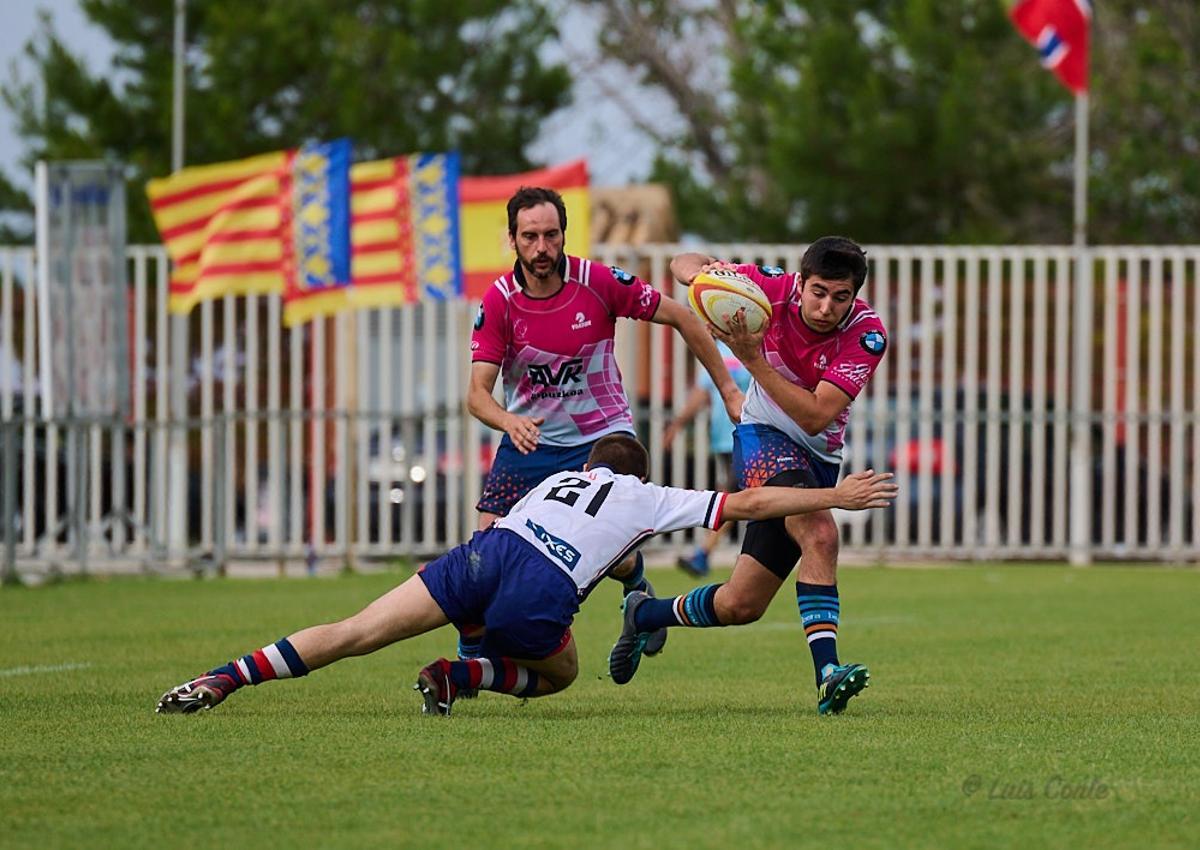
x: 717, y: 295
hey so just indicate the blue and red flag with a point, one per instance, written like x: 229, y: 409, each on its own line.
x: 1059, y: 29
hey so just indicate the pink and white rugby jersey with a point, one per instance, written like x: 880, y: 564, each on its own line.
x: 845, y: 357
x: 586, y: 522
x: 556, y: 354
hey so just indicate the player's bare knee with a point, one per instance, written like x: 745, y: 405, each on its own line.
x: 734, y: 609
x: 818, y: 536
x: 625, y: 568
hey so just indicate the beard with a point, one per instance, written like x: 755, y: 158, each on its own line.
x: 541, y: 265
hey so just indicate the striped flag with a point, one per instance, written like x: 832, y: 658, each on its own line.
x: 224, y: 227
x: 307, y: 224
x: 319, y: 234
x: 1059, y: 29
x: 404, y: 230
x: 484, y: 216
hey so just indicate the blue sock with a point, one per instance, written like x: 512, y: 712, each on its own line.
x: 819, y: 611
x: 636, y: 580
x: 696, y: 608
x: 469, y: 646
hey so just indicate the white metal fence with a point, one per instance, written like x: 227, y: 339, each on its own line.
x: 348, y: 437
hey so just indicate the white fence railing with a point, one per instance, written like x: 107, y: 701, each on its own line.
x: 348, y: 437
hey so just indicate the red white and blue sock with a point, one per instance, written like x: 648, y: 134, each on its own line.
x: 819, y: 612
x: 274, y: 661
x: 502, y: 675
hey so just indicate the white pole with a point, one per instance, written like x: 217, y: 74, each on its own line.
x: 46, y: 371
x: 177, y: 511
x: 1081, y: 396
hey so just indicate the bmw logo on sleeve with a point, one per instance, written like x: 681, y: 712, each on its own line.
x: 770, y: 271
x: 621, y: 275
x: 873, y: 342
x: 479, y: 318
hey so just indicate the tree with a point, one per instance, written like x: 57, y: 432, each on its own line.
x: 921, y: 121
x: 396, y: 77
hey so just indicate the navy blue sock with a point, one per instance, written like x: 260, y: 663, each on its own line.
x: 696, y: 608
x: 819, y: 611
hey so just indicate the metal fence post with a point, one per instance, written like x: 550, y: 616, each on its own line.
x: 220, y: 544
x: 9, y: 575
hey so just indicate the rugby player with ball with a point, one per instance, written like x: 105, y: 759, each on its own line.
x: 810, y: 345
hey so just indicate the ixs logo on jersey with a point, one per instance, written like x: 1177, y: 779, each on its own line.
x: 556, y: 546
x: 547, y: 375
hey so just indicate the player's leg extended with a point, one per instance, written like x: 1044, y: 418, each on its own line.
x: 820, y: 610
x: 402, y: 612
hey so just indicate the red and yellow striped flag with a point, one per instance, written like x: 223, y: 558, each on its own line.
x: 225, y: 227
x: 483, y: 218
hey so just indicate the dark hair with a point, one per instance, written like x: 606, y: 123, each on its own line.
x: 531, y: 196
x: 622, y: 454
x: 835, y: 258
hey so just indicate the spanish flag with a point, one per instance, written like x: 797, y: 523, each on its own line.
x: 483, y: 215
x: 224, y: 227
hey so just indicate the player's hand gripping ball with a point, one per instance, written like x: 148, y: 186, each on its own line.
x: 718, y: 294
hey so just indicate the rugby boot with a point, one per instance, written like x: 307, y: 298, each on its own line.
x: 436, y: 688
x: 838, y: 685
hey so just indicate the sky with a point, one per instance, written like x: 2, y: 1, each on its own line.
x: 593, y: 127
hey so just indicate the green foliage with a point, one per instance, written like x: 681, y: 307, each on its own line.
x: 986, y: 681
x: 395, y: 77
x: 931, y: 121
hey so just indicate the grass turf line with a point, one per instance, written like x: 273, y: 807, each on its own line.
x: 1039, y: 705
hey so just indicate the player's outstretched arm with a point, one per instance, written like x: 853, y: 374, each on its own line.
x: 856, y: 492
x: 685, y: 267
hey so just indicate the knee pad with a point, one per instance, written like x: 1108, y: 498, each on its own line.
x: 768, y: 542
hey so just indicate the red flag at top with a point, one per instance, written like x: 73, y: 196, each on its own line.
x: 1059, y: 31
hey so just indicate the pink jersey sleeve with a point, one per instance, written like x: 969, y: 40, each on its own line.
x: 625, y: 294
x: 859, y: 357
x: 774, y: 281
x: 489, y: 339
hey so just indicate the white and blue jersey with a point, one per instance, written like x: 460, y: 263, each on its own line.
x: 523, y: 579
x: 587, y: 522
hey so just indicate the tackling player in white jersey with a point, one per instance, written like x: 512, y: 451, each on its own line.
x: 524, y: 579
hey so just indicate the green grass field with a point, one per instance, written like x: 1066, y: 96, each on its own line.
x: 1032, y: 706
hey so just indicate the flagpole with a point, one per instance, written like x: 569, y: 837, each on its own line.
x: 177, y: 453
x: 1081, y: 378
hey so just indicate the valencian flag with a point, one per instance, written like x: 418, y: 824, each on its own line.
x: 404, y: 230
x: 308, y: 225
x: 484, y: 219
x: 1059, y: 29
